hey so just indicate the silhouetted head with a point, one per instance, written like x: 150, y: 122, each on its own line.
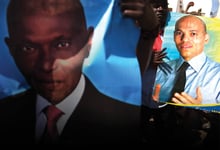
x: 162, y: 12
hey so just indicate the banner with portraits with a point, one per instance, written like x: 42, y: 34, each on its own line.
x: 112, y: 65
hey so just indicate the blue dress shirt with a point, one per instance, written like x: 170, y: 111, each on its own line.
x: 202, y: 72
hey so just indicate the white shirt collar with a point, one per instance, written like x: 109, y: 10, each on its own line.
x: 67, y: 106
x: 196, y: 62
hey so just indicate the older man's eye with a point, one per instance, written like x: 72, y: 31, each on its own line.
x: 63, y: 44
x: 27, y: 49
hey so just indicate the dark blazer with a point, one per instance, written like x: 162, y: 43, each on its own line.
x: 98, y: 119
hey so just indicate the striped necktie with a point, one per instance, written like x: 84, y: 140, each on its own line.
x: 51, y: 133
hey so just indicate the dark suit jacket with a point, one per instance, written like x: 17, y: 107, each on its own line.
x: 97, y: 119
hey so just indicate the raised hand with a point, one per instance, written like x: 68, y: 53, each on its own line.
x: 142, y: 13
x: 133, y: 9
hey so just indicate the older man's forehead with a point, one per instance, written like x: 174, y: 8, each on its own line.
x: 50, y: 7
